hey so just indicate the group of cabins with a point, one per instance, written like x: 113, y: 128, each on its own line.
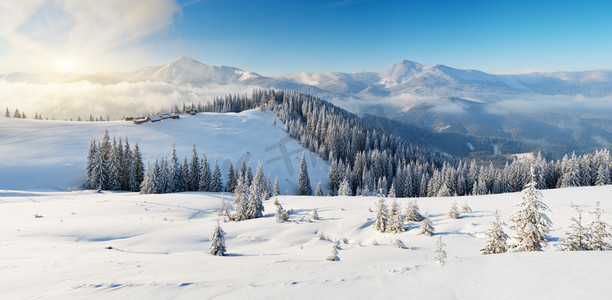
x: 159, y: 116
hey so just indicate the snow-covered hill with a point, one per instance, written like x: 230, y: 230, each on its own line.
x: 128, y: 246
x: 51, y: 155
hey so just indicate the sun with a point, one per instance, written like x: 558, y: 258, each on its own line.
x: 65, y: 65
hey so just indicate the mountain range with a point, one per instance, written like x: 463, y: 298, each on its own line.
x: 551, y: 111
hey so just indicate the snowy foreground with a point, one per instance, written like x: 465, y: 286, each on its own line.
x: 90, y: 245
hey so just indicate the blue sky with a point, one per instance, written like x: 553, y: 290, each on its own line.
x: 273, y: 37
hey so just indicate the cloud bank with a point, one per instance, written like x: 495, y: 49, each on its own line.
x: 66, y: 101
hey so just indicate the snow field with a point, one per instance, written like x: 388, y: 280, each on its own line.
x: 159, y: 243
x: 51, y: 155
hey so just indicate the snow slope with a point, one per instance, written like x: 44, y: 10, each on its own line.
x: 51, y: 155
x: 129, y: 246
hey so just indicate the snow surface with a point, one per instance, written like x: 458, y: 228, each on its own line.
x: 91, y: 245
x: 51, y: 155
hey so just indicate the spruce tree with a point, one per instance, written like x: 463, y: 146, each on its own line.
x: 148, y: 183
x: 224, y: 208
x: 319, y: 191
x: 257, y: 193
x: 426, y: 226
x: 395, y: 223
x: 276, y: 188
x: 216, y: 180
x: 344, y: 189
x: 205, y: 176
x: 7, y: 114
x: 193, y: 172
x: 304, y: 187
x: 392, y: 191
x: 137, y: 173
x: 232, y: 180
x: 217, y: 241
x: 412, y: 212
x: 281, y: 214
x: 439, y: 253
x: 599, y: 232
x: 240, y: 200
x: 529, y: 221
x: 466, y: 209
x: 454, y: 212
x: 496, y: 241
x: 382, y: 215
x: 314, y: 215
x: 92, y: 180
x: 577, y: 238
x: 334, y: 253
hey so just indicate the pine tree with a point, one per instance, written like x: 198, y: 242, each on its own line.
x: 603, y: 175
x: 395, y: 223
x: 598, y: 230
x: 578, y: 237
x: 205, y: 176
x: 392, y: 191
x: 240, y: 200
x: 334, y: 253
x: 281, y: 214
x: 454, y: 212
x: 439, y: 253
x: 17, y: 114
x: 466, y: 209
x: 315, y: 214
x: 137, y: 173
x: 193, y: 172
x: 412, y: 212
x: 496, y: 241
x: 304, y: 187
x: 217, y: 241
x: 224, y: 208
x: 426, y: 226
x: 126, y: 166
x: 216, y: 180
x: 257, y: 193
x: 232, y: 180
x: 7, y: 114
x: 148, y: 183
x: 382, y: 215
x: 276, y: 188
x: 344, y: 189
x: 530, y: 222
x: 319, y: 191
x: 92, y: 180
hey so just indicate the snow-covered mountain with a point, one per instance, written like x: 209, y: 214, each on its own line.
x: 577, y: 105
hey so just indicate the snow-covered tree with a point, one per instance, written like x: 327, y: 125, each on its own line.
x: 217, y: 241
x: 496, y: 237
x: 315, y: 214
x: 334, y: 253
x: 232, y: 179
x: 319, y: 191
x: 382, y: 215
x: 439, y: 253
x: 281, y: 214
x: 399, y: 244
x: 392, y: 193
x: 205, y: 177
x: 148, y: 183
x: 454, y: 211
x: 599, y: 232
x: 257, y: 193
x: 224, y: 208
x: 344, y: 189
x: 193, y: 172
x: 240, y: 201
x: 395, y: 223
x: 412, y: 212
x: 138, y: 171
x: 466, y: 209
x: 216, y: 183
x: 529, y: 221
x: 426, y: 226
x: 304, y: 187
x: 276, y: 188
x: 577, y: 238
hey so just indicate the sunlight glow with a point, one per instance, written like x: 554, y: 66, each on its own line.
x: 65, y: 65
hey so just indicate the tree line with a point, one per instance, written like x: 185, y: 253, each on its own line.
x: 364, y: 159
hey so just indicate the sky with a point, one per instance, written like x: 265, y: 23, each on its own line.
x: 279, y: 36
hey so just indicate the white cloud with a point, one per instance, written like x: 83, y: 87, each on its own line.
x: 65, y: 101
